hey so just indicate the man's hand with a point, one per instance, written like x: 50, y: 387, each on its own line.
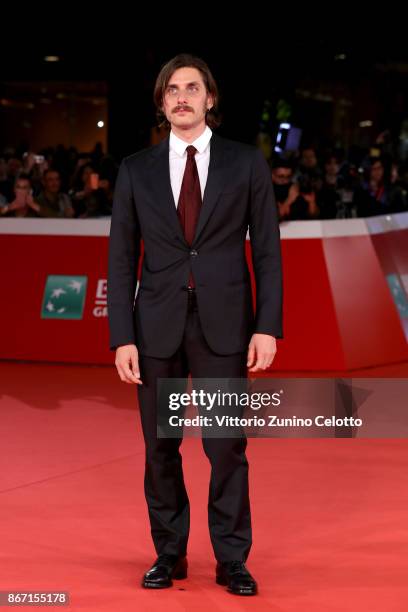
x: 310, y: 198
x: 293, y: 194
x: 284, y: 209
x: 16, y: 204
x: 127, y: 364
x: 261, y: 352
x: 32, y: 204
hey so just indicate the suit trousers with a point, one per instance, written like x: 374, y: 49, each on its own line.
x: 229, y: 516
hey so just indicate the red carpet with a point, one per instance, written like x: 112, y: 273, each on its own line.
x: 330, y: 516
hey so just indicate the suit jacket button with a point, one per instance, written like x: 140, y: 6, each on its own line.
x: 193, y: 253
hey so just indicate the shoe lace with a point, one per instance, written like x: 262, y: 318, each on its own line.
x: 166, y: 559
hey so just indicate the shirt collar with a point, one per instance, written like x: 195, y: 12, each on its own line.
x: 179, y: 146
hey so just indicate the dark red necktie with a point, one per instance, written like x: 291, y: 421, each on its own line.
x: 189, y: 204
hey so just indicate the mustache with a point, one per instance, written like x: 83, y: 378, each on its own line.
x: 181, y: 107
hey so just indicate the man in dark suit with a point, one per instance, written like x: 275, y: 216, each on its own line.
x: 192, y: 198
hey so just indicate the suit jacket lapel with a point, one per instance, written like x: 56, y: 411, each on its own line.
x: 214, y: 184
x: 162, y: 187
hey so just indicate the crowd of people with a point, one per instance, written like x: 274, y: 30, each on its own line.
x: 62, y: 182
x: 337, y: 188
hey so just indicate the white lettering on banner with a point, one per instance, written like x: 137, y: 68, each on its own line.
x: 101, y: 289
x: 101, y: 298
x: 101, y: 307
x: 100, y: 311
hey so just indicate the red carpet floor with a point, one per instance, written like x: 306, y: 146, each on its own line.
x: 330, y: 516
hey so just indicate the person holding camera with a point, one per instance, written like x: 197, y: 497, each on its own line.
x: 23, y: 204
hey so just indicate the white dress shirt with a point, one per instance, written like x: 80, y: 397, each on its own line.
x: 178, y: 159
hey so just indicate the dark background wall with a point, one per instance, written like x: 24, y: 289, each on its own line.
x: 329, y: 81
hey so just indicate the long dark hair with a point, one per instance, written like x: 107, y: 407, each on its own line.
x: 186, y: 60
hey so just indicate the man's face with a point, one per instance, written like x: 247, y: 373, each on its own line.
x: 22, y: 188
x: 52, y: 182
x: 281, y: 176
x: 309, y: 158
x: 185, y: 100
x: 377, y: 171
x: 332, y: 167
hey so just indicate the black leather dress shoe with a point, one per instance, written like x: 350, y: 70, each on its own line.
x: 166, y: 567
x: 235, y: 575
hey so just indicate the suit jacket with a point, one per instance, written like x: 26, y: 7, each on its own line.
x: 238, y: 195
